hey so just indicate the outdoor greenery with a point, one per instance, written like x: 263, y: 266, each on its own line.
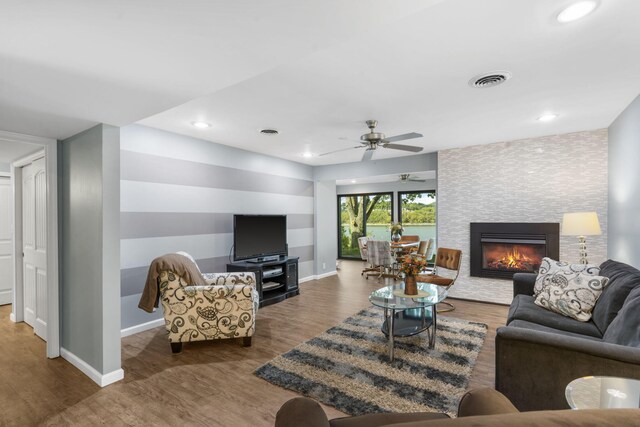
x: 356, y: 211
x: 417, y: 212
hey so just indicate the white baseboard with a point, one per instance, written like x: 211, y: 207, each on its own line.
x: 102, y: 380
x: 6, y: 297
x: 317, y: 276
x: 327, y: 274
x: 12, y: 317
x: 142, y: 327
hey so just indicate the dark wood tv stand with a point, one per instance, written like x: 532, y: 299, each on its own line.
x: 287, y: 281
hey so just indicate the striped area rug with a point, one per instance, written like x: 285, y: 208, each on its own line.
x: 347, y: 367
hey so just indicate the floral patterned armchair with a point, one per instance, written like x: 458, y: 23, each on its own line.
x: 225, y: 308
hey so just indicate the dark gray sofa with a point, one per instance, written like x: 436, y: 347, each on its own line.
x: 539, y: 352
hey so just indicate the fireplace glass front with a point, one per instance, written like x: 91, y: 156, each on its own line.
x: 514, y: 257
x: 501, y: 249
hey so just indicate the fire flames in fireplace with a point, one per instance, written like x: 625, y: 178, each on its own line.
x: 512, y: 257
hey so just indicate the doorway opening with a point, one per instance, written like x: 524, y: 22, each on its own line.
x: 33, y: 218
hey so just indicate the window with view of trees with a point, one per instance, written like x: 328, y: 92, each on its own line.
x: 363, y: 215
x: 417, y: 213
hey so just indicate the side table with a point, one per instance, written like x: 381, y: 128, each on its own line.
x: 603, y: 392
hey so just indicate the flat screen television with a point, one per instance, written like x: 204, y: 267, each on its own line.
x: 259, y: 236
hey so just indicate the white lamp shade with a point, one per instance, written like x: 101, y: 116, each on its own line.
x: 580, y: 224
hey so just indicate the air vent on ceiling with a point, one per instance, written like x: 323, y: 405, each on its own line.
x: 268, y: 131
x: 491, y: 79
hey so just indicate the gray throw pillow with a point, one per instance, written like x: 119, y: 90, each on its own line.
x: 550, y: 266
x: 571, y: 294
x: 625, y: 328
x: 623, y: 279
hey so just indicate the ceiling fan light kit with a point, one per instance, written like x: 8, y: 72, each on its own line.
x: 372, y: 140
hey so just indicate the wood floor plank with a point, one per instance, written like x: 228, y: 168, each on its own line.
x: 209, y: 383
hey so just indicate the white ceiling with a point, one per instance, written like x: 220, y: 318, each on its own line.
x: 65, y: 66
x: 315, y: 70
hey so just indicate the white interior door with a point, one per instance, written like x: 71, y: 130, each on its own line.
x: 34, y: 237
x: 6, y: 228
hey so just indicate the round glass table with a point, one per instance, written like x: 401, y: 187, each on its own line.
x: 603, y: 392
x: 408, y: 315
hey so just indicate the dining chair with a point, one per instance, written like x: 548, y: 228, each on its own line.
x: 381, y: 257
x: 364, y: 254
x: 425, y: 250
x: 401, y: 252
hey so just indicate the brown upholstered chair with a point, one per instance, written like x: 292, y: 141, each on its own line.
x: 445, y: 273
x: 480, y: 408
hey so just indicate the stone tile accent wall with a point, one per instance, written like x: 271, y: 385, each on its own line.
x: 530, y: 180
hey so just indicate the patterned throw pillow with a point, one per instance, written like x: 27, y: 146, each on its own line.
x: 551, y: 267
x: 571, y: 294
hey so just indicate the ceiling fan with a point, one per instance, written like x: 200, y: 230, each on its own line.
x: 406, y: 177
x: 372, y: 140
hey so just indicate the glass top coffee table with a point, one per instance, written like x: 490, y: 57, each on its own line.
x: 603, y: 392
x: 405, y: 315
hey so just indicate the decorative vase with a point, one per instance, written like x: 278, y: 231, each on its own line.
x: 410, y: 285
x: 395, y: 237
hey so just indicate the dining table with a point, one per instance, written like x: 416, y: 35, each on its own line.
x: 404, y: 245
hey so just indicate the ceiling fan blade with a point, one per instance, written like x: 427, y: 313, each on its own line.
x: 403, y: 137
x: 417, y: 180
x: 367, y: 155
x: 412, y: 148
x: 342, y: 149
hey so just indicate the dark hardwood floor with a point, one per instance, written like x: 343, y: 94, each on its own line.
x: 210, y: 383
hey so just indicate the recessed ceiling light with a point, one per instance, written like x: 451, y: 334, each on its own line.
x: 576, y: 11
x: 307, y: 154
x: 547, y: 117
x: 201, y: 125
x: 353, y: 181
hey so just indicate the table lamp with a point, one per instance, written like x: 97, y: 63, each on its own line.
x: 581, y: 224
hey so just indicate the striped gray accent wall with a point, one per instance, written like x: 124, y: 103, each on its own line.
x: 180, y: 193
x: 530, y: 180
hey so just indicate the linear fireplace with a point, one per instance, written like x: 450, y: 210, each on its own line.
x: 500, y: 249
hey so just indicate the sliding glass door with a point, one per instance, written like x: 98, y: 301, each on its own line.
x: 362, y: 215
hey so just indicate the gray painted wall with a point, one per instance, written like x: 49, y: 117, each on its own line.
x: 326, y: 226
x: 180, y: 193
x: 530, y: 180
x: 624, y: 186
x: 5, y: 167
x: 111, y: 248
x: 89, y: 210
